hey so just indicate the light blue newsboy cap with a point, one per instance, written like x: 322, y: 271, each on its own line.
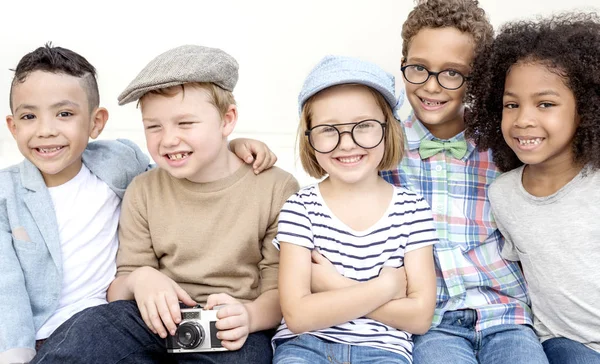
x: 338, y: 70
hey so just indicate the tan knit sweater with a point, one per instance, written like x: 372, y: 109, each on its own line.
x: 211, y: 237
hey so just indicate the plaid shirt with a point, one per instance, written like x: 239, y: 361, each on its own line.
x: 470, y: 272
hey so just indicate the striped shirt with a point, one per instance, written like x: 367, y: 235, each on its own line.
x: 407, y: 225
x: 471, y: 274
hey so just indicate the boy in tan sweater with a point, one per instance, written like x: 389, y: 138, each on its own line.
x: 198, y: 229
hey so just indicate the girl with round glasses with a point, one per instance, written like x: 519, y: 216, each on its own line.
x: 356, y: 273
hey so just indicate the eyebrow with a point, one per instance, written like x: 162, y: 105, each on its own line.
x: 175, y: 118
x: 54, y: 106
x: 446, y: 65
x: 537, y: 94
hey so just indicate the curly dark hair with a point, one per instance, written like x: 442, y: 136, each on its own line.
x: 464, y: 15
x: 568, y: 45
x: 58, y: 60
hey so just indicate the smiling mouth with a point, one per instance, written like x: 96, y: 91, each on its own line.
x: 352, y: 159
x: 432, y: 103
x: 49, y: 150
x: 531, y: 141
x: 178, y: 156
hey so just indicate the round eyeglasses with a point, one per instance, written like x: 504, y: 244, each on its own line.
x: 367, y: 134
x: 448, y: 79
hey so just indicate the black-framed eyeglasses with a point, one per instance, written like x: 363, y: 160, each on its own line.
x: 367, y: 134
x: 448, y: 79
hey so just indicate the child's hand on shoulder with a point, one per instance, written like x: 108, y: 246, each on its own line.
x: 253, y: 152
x: 397, y: 278
x: 157, y: 298
x: 234, y: 320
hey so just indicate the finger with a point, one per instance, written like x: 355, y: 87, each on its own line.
x: 229, y: 310
x: 242, y: 151
x: 233, y: 345
x: 230, y: 322
x: 246, y: 153
x: 233, y: 334
x: 173, y: 306
x: 259, y: 160
x: 162, y: 306
x: 155, y: 320
x: 144, y: 314
x: 268, y: 161
x: 183, y: 296
x: 216, y: 299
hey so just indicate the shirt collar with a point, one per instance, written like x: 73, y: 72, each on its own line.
x: 415, y: 132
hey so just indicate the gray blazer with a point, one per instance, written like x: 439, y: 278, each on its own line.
x: 30, y: 252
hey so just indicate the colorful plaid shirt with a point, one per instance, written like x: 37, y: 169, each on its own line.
x: 471, y: 274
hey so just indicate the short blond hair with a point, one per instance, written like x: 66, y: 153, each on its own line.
x: 218, y: 96
x: 393, y: 137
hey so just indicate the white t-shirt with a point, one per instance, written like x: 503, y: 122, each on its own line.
x: 407, y: 225
x: 87, y: 212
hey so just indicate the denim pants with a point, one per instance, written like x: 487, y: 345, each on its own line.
x: 309, y: 349
x: 455, y: 341
x: 116, y: 333
x: 561, y: 350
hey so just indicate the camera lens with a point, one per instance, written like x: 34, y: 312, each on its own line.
x: 189, y: 335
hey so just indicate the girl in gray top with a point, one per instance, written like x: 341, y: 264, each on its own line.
x: 536, y: 97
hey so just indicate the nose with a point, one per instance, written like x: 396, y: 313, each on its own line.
x: 346, y: 141
x: 46, y: 127
x: 525, y: 118
x: 432, y: 85
x: 170, y: 138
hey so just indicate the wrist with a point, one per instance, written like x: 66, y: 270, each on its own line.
x: 132, y: 279
x: 249, y: 307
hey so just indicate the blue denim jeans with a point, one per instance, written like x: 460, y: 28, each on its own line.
x: 565, y: 351
x: 455, y: 341
x: 116, y: 333
x: 309, y: 349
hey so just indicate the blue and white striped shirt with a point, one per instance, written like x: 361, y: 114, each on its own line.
x: 407, y: 225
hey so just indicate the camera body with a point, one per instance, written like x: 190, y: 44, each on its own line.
x: 195, y: 333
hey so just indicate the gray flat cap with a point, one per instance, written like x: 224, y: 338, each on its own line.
x: 184, y: 64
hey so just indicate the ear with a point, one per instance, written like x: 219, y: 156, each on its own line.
x: 229, y: 120
x: 10, y: 123
x: 98, y: 121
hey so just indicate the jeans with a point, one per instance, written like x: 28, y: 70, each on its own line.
x: 455, y: 341
x: 116, y: 333
x: 309, y: 349
x: 561, y: 350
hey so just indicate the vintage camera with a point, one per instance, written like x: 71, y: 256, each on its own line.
x: 195, y: 333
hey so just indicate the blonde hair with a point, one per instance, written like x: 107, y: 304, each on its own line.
x: 218, y: 96
x: 393, y: 138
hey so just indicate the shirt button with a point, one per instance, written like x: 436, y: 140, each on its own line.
x: 438, y: 168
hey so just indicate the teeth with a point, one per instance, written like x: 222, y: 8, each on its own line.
x: 534, y: 141
x: 49, y: 150
x: 177, y: 156
x: 431, y: 103
x: 349, y: 159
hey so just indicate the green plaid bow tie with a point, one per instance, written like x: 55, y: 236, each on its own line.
x: 432, y: 147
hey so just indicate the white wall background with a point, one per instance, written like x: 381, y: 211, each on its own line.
x: 275, y: 42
